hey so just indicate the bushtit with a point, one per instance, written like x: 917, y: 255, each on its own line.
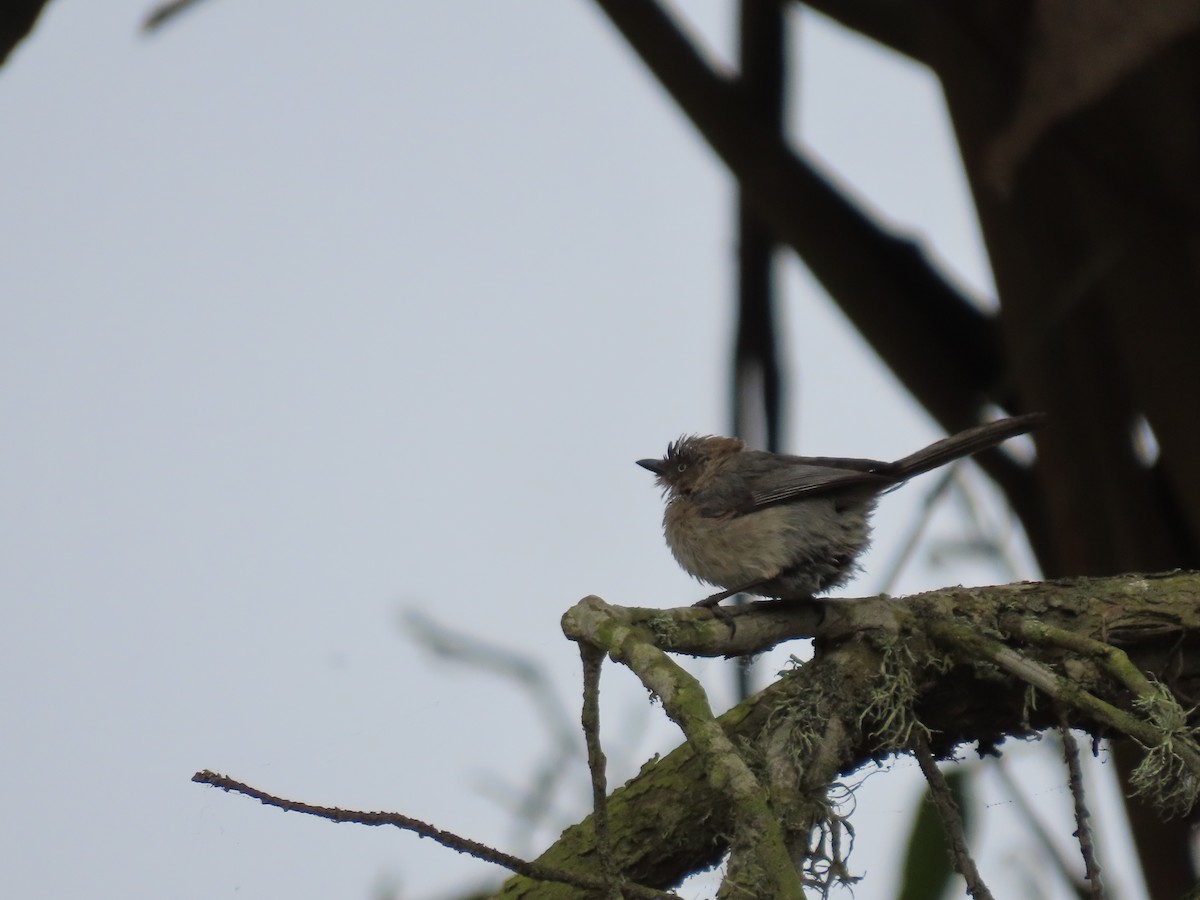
x: 786, y: 526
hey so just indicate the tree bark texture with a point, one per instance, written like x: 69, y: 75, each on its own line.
x: 883, y: 667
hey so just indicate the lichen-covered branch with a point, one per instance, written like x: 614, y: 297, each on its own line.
x: 1170, y: 773
x: 760, y: 864
x: 883, y: 668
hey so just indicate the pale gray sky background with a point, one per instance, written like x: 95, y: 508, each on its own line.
x: 315, y: 313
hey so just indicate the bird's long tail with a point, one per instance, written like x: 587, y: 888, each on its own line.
x: 981, y: 437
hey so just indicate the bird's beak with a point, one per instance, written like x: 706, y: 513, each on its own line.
x: 654, y: 465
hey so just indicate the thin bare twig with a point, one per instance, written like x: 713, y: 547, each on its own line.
x: 943, y: 802
x: 1083, y: 827
x: 446, y: 838
x: 593, y: 658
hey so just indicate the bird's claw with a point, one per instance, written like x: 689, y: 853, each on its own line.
x: 713, y: 604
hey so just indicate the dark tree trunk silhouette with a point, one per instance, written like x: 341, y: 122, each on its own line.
x: 1078, y: 125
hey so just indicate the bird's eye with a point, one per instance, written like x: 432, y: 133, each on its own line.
x: 682, y: 467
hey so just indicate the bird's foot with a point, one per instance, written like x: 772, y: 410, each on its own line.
x: 713, y: 604
x: 711, y: 601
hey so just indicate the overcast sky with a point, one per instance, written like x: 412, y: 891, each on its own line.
x: 315, y: 314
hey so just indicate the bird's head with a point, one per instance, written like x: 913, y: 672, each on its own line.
x: 691, y: 462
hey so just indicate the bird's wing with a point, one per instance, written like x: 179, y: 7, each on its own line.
x: 805, y: 477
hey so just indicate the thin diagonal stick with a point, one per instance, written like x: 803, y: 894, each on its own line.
x: 447, y: 839
x: 593, y: 658
x: 943, y: 802
x: 1083, y: 827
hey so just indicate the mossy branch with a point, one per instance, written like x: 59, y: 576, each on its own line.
x: 675, y: 817
x: 760, y: 865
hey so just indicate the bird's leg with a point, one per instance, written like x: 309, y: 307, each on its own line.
x: 711, y: 601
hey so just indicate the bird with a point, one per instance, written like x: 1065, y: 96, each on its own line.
x: 787, y: 527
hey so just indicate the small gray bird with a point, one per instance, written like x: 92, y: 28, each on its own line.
x: 787, y: 527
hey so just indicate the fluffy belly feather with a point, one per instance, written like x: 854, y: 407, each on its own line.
x: 797, y: 549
